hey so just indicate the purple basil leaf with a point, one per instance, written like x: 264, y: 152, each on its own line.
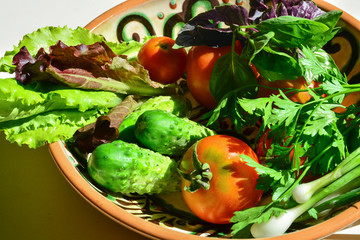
x: 270, y: 13
x: 297, y: 8
x: 282, y: 10
x: 204, y: 28
x: 255, y: 16
x: 231, y: 15
x: 290, y: 3
x: 200, y: 35
x: 306, y: 9
x: 259, y: 5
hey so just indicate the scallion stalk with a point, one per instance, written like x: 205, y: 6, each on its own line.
x: 346, y: 172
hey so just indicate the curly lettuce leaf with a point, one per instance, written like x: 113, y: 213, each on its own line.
x: 48, y: 127
x: 18, y: 101
x: 46, y: 37
x: 42, y: 113
x: 129, y: 49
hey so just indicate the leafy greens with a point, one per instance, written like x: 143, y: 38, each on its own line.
x: 106, y: 127
x: 42, y: 106
x: 43, y: 112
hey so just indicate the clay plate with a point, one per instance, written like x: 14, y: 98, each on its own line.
x: 149, y: 216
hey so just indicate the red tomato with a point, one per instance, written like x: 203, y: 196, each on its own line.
x: 299, y: 83
x: 233, y: 184
x: 165, y: 64
x: 199, y: 66
x: 264, y: 145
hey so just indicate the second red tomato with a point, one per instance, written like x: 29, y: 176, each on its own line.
x: 200, y: 63
x: 165, y: 64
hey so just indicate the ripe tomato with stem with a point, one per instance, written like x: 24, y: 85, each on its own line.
x: 226, y: 182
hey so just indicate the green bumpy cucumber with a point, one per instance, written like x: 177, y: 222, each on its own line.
x: 175, y: 104
x: 168, y: 134
x: 127, y: 168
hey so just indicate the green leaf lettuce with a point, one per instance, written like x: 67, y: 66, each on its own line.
x: 42, y: 113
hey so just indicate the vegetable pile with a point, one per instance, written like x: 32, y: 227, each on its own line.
x: 148, y: 126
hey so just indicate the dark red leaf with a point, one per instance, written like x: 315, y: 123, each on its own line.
x: 106, y: 128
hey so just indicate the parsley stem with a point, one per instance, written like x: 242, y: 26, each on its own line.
x: 357, y: 85
x: 354, y: 123
x: 350, y: 90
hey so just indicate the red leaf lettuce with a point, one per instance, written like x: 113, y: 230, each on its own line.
x: 94, y: 67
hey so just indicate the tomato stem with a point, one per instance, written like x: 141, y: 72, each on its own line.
x: 201, y: 175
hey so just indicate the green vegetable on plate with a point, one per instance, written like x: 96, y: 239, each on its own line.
x: 168, y: 134
x: 127, y: 168
x: 310, y: 194
x: 175, y: 104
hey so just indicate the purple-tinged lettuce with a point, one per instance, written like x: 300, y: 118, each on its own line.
x: 48, y: 36
x: 106, y: 127
x: 94, y: 67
